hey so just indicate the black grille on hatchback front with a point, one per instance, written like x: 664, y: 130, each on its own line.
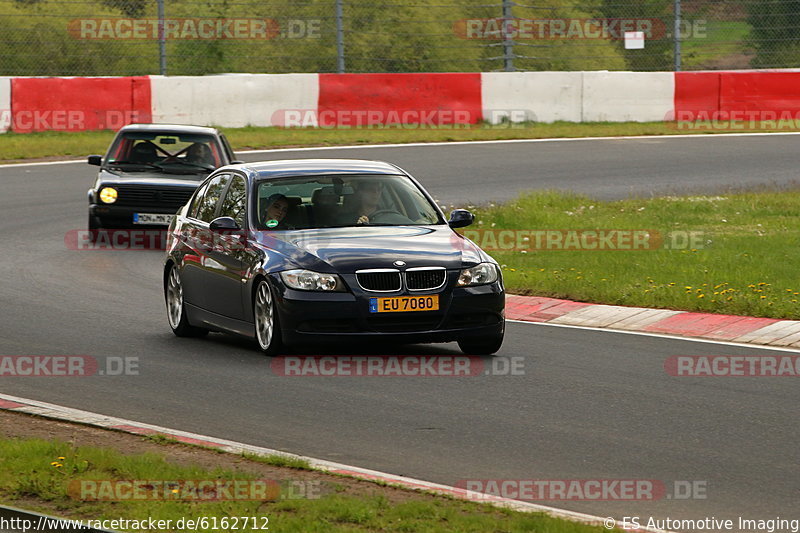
x: 379, y: 280
x: 145, y: 196
x: 425, y: 279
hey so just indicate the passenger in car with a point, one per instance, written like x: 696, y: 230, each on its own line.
x: 144, y: 152
x: 199, y: 153
x: 277, y: 207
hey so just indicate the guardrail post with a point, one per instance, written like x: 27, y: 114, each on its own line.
x: 508, y: 43
x: 162, y: 45
x: 677, y: 35
x: 339, y: 38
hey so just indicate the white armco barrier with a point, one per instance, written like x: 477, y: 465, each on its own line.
x: 627, y: 96
x: 231, y: 100
x: 531, y: 96
x: 5, y: 104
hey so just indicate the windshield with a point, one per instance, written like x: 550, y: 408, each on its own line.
x: 338, y: 201
x: 167, y: 152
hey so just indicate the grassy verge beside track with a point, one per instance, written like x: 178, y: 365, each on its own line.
x: 14, y: 146
x: 46, y: 476
x: 731, y: 254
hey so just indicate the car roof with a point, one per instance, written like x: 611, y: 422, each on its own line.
x: 315, y: 167
x: 171, y: 128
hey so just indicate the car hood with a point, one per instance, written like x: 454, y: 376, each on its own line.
x: 346, y: 250
x: 150, y: 178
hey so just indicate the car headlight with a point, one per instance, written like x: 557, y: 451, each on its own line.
x: 108, y: 195
x: 478, y: 275
x: 306, y: 280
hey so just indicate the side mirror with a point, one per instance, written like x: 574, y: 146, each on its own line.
x: 460, y: 218
x: 223, y: 224
x: 95, y: 160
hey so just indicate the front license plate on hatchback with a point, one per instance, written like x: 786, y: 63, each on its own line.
x: 152, y: 218
x: 404, y: 303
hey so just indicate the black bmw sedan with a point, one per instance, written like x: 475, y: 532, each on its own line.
x: 321, y: 250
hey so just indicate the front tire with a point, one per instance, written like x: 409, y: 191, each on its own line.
x: 93, y: 226
x: 265, y: 317
x: 176, y: 308
x: 481, y: 345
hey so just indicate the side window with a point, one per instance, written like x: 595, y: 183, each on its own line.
x: 198, y: 197
x: 228, y: 149
x: 235, y: 201
x: 207, y: 205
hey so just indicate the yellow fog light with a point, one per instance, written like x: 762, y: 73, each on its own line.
x: 108, y: 195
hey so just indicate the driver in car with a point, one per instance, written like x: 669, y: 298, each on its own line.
x: 365, y: 200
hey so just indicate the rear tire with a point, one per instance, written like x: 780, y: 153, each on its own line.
x: 176, y: 308
x: 265, y: 318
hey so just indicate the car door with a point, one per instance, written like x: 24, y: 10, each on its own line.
x: 199, y: 241
x: 225, y: 264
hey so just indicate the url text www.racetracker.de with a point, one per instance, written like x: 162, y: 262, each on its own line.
x: 204, y: 523
x: 710, y: 523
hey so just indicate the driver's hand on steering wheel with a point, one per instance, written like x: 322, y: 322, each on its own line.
x: 363, y: 219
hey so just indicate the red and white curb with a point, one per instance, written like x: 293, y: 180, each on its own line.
x: 729, y: 328
x: 68, y: 414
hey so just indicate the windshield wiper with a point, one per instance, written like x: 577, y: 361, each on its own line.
x: 204, y: 166
x: 139, y: 163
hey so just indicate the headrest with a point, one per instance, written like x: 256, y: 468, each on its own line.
x: 324, y: 193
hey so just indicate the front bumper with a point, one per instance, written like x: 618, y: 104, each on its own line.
x: 315, y: 317
x: 121, y: 217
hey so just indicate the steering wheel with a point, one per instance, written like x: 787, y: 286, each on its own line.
x: 383, y: 212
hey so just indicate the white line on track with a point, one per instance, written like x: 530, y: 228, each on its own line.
x: 663, y: 335
x: 42, y: 163
x: 513, y: 141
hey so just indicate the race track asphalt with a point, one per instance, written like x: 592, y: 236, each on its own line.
x: 589, y: 405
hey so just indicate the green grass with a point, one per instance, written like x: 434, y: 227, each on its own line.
x: 279, y: 460
x: 744, y: 261
x: 722, y: 38
x: 16, y: 146
x: 161, y: 439
x: 36, y: 474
